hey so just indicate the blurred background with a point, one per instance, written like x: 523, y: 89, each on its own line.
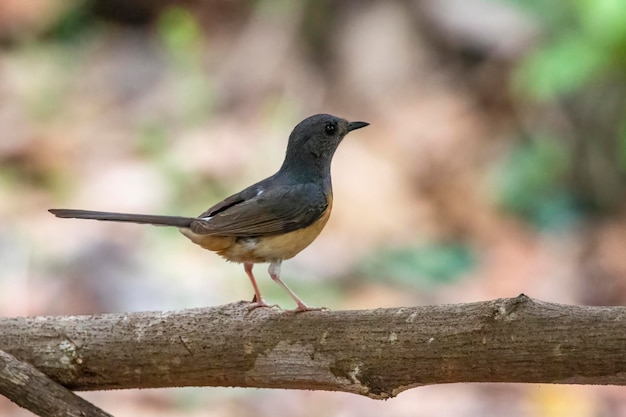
x: 495, y: 164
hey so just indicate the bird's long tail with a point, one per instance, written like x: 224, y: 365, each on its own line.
x: 123, y: 217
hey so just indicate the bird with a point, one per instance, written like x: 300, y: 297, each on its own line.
x: 271, y: 220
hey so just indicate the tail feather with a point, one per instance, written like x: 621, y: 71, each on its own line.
x: 123, y: 217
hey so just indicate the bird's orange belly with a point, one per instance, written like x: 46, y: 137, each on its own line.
x: 261, y: 249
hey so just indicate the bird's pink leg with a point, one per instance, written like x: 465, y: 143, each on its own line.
x: 274, y: 271
x: 258, y: 299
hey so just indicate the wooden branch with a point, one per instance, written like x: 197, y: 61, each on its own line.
x: 29, y: 388
x: 378, y: 353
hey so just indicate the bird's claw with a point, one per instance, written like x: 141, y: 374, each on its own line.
x: 303, y: 308
x: 261, y: 304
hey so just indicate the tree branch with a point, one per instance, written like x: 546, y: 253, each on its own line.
x: 378, y: 353
x: 29, y: 388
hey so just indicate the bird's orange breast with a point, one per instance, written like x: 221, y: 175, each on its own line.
x: 265, y: 248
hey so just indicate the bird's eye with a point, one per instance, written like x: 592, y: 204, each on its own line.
x: 330, y: 129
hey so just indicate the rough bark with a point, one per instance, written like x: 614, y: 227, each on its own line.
x: 378, y: 353
x: 28, y: 387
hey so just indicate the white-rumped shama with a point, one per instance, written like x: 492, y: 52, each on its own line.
x: 269, y: 221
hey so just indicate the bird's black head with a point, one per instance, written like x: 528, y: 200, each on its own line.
x: 313, y: 142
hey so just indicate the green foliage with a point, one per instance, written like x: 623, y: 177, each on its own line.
x: 560, y: 68
x: 604, y: 22
x: 577, y: 71
x: 182, y: 37
x: 585, y: 43
x: 179, y: 29
x: 536, y: 167
x: 422, y: 265
x: 530, y: 183
x: 75, y: 22
x: 621, y: 148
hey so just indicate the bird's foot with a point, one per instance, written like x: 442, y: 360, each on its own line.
x: 303, y: 307
x: 260, y: 304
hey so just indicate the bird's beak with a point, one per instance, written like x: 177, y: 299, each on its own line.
x: 356, y: 125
